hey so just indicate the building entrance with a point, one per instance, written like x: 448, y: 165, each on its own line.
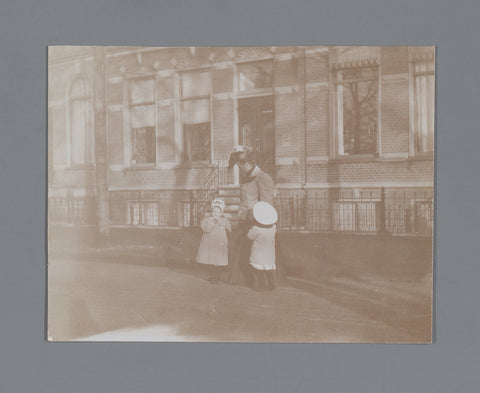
x: 255, y: 117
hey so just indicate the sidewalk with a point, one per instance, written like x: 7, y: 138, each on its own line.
x: 403, y: 303
x: 307, y: 255
x: 393, y: 266
x: 96, y: 300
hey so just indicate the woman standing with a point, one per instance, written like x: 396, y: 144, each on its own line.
x: 255, y: 186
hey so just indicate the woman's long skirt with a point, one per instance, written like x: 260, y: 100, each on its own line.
x: 239, y: 256
x: 240, y: 270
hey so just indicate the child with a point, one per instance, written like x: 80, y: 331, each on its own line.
x: 262, y: 255
x: 213, y: 248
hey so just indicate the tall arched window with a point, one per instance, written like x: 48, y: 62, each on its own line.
x: 81, y: 123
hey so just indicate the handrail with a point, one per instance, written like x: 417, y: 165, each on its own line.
x: 211, y: 185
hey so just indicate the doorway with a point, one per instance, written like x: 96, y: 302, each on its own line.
x: 255, y: 117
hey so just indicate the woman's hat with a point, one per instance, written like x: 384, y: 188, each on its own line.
x: 240, y: 148
x: 218, y: 203
x: 240, y: 154
x: 264, y: 213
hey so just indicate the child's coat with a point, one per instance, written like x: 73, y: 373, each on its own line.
x: 213, y: 248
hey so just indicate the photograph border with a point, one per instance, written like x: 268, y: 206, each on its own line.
x: 29, y: 363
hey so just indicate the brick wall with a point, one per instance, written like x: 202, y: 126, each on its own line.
x: 59, y: 135
x: 371, y: 171
x: 317, y: 121
x: 287, y: 136
x: 394, y: 60
x: 222, y: 128
x: 222, y: 80
x: 178, y: 178
x: 165, y: 87
x: 115, y: 136
x: 285, y: 72
x: 73, y: 178
x: 166, y: 146
x: 317, y: 67
x: 394, y: 131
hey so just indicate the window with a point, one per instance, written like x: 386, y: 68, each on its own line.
x: 196, y: 123
x: 424, y: 103
x: 81, y: 124
x: 142, y: 120
x: 357, y: 110
x: 255, y: 75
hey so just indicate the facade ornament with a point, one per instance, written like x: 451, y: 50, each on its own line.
x: 190, y: 62
x: 231, y: 53
x: 357, y: 56
x: 137, y: 70
x: 253, y: 53
x: 421, y: 53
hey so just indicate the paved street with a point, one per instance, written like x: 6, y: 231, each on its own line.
x: 107, y: 301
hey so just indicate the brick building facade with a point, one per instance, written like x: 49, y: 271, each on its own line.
x: 347, y: 133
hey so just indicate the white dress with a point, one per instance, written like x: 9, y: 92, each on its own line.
x: 262, y: 255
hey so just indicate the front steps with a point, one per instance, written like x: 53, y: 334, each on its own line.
x: 230, y: 194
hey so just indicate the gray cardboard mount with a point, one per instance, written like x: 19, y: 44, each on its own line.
x: 28, y: 363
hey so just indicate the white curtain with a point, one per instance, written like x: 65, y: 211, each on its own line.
x: 424, y: 107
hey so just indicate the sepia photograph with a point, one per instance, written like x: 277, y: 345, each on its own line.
x: 280, y: 194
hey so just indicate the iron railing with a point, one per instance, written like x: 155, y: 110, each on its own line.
x: 348, y: 211
x: 72, y: 210
x: 197, y: 206
x: 375, y: 210
x: 145, y: 209
x: 168, y: 208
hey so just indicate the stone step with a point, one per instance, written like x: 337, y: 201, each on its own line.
x: 229, y: 200
x: 229, y: 192
x: 228, y: 208
x: 229, y: 215
x: 230, y: 186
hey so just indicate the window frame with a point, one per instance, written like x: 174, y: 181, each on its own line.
x: 130, y: 129
x: 413, y: 131
x: 181, y: 99
x: 334, y: 114
x: 87, y: 99
x: 253, y: 91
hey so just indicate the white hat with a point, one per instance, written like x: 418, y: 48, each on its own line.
x: 218, y: 203
x: 265, y: 213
